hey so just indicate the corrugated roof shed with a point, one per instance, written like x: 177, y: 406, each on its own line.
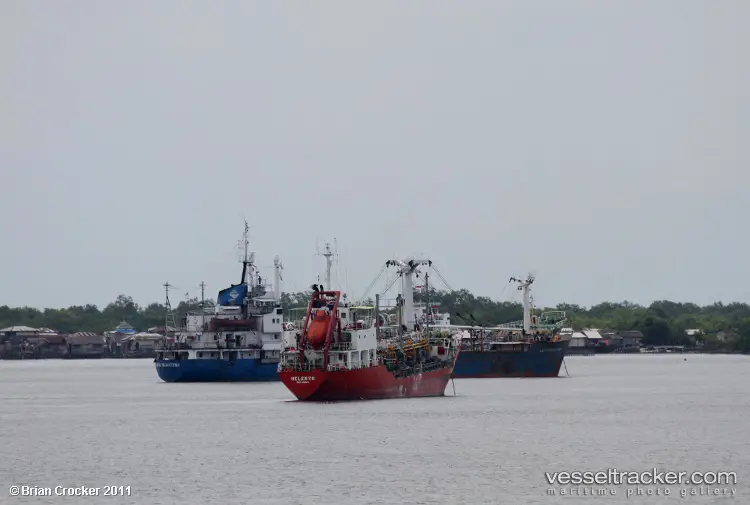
x: 592, y: 334
x: 18, y: 329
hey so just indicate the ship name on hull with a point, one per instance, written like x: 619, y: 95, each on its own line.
x: 303, y: 379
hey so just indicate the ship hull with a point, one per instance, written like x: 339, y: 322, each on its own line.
x: 579, y: 351
x: 540, y: 360
x: 605, y: 349
x: 373, y: 383
x: 216, y: 370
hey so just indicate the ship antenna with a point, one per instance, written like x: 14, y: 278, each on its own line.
x: 203, y: 307
x: 278, y: 267
x: 329, y: 261
x: 328, y: 255
x: 428, y: 312
x: 169, y: 315
x: 245, y: 239
x: 245, y: 244
x: 525, y: 287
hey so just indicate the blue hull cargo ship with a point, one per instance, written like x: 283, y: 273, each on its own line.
x: 511, y: 359
x: 529, y: 348
x: 237, y: 340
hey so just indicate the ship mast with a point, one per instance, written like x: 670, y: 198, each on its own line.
x: 407, y: 269
x: 245, y: 244
x: 169, y: 315
x: 248, y: 264
x: 428, y: 312
x: 203, y: 307
x: 525, y: 286
x: 328, y: 254
x: 278, y: 267
x: 531, y: 309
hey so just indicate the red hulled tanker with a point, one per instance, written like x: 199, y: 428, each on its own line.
x: 340, y: 357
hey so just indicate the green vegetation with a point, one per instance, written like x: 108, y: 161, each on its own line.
x: 723, y: 327
x: 91, y: 318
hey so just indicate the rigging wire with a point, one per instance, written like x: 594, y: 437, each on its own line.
x: 337, y: 272
x: 367, y: 291
x: 440, y: 276
x: 500, y: 296
x: 390, y: 284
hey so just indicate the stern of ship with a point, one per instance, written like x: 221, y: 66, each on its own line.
x: 303, y: 385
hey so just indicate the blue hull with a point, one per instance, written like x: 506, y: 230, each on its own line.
x: 540, y: 360
x: 216, y: 370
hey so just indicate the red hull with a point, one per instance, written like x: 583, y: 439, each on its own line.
x: 374, y: 383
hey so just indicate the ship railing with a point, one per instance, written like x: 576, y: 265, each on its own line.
x: 440, y: 339
x: 332, y: 367
x: 420, y: 368
x: 406, y: 345
x: 298, y: 323
x: 515, y: 325
x: 433, y: 365
x: 518, y: 325
x: 209, y: 346
x: 176, y: 346
x: 341, y: 346
x: 547, y: 327
x: 300, y: 367
x: 234, y: 347
x: 553, y: 316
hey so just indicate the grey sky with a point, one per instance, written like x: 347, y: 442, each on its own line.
x: 596, y: 143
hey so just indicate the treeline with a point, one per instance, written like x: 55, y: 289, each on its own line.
x: 92, y: 318
x: 662, y: 322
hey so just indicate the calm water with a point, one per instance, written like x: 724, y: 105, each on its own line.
x: 107, y: 422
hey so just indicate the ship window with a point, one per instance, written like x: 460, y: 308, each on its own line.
x: 200, y: 354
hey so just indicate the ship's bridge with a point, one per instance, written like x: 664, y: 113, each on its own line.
x: 356, y: 316
x: 262, y: 305
x: 356, y: 347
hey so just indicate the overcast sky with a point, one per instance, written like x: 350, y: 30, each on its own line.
x: 602, y: 145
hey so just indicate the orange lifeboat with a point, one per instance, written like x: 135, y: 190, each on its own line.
x: 318, y: 330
